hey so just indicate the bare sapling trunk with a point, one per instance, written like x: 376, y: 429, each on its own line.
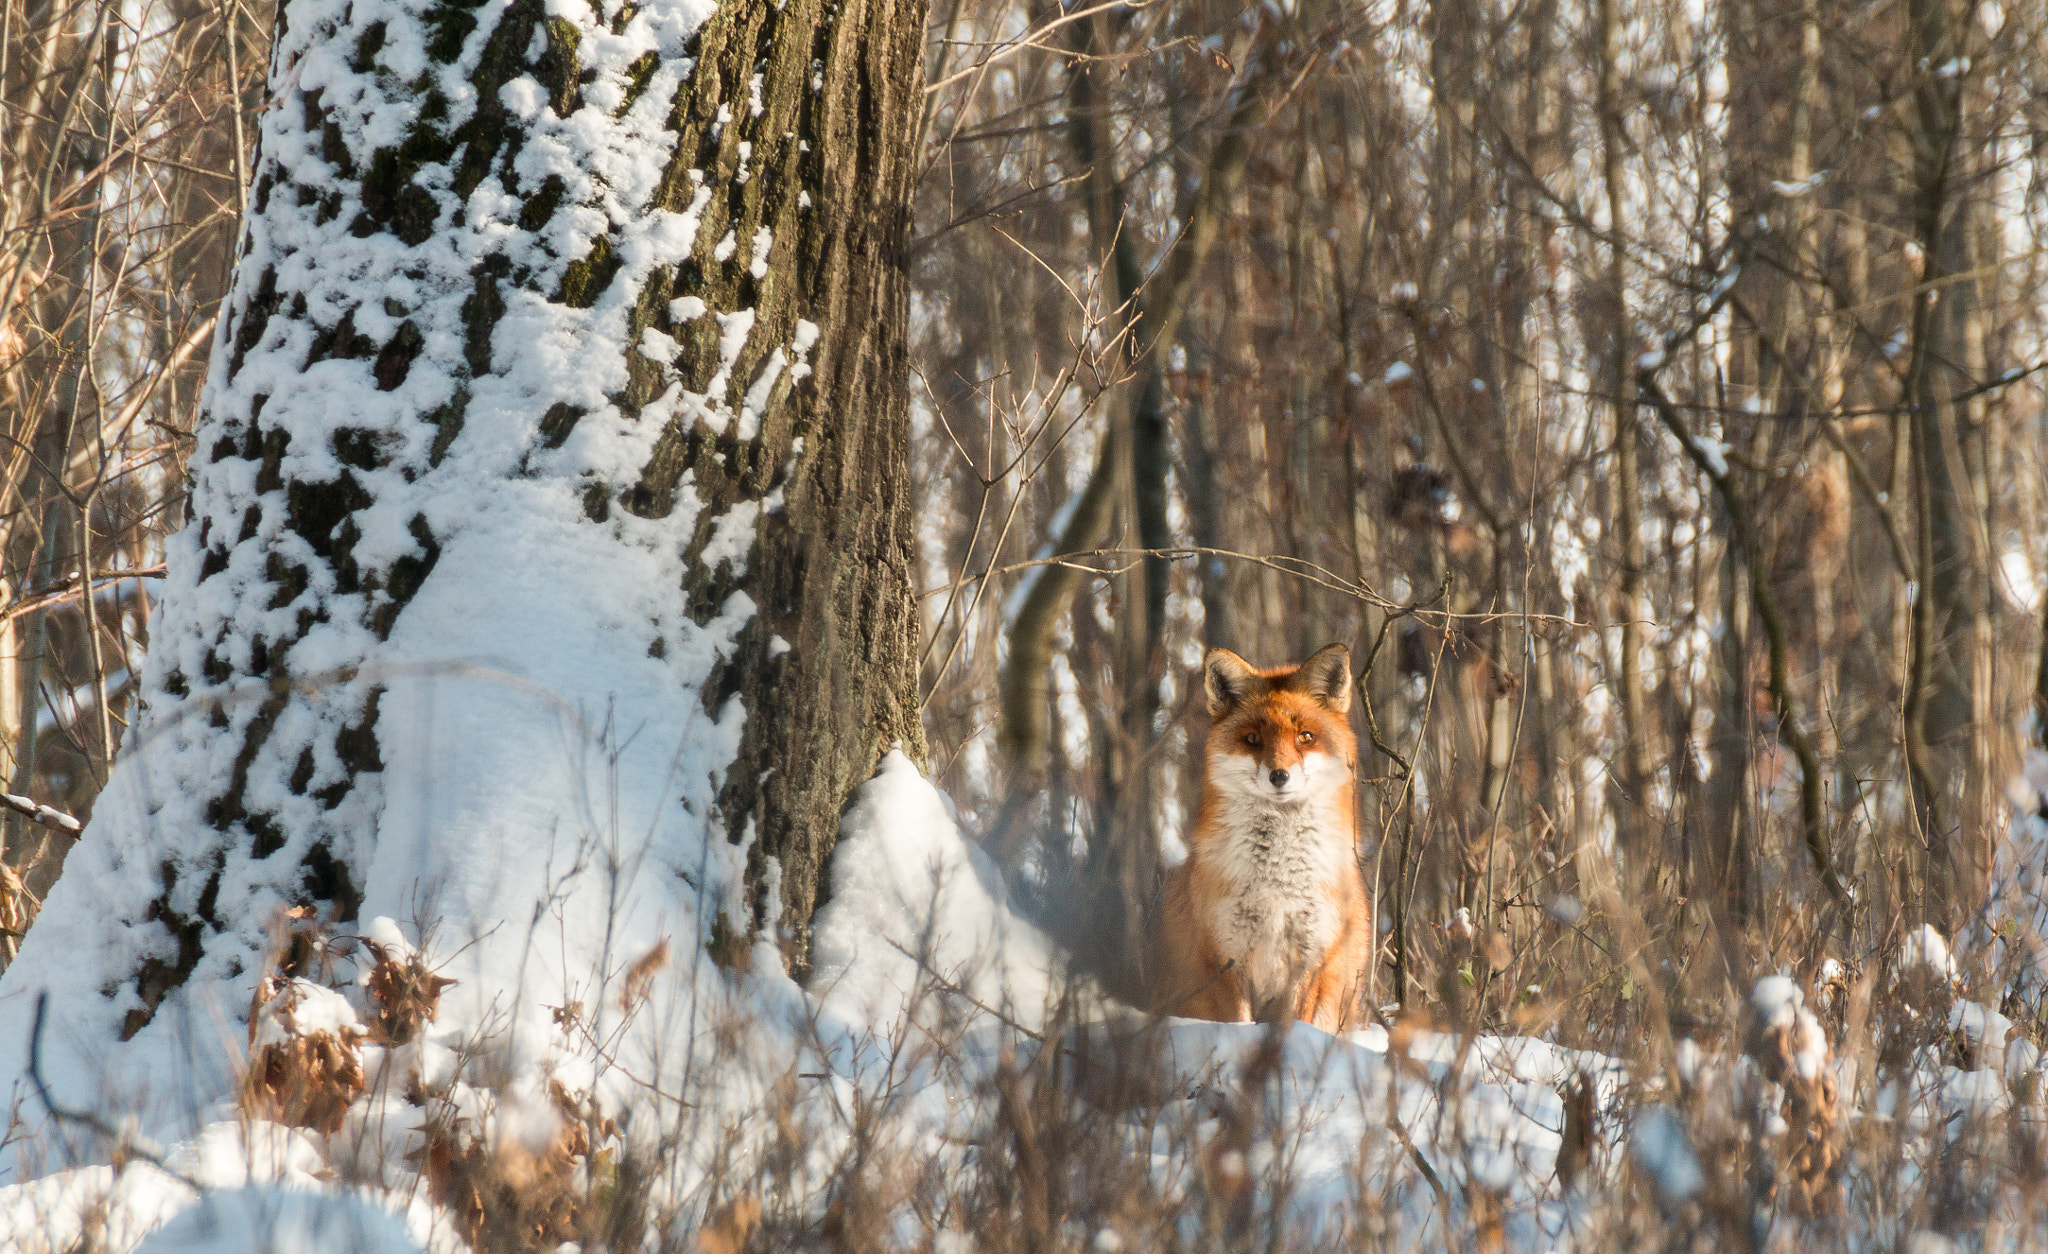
x: 1632, y: 814
x: 1146, y: 318
x: 1942, y: 696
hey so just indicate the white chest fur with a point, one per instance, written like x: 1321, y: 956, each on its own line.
x: 1277, y: 919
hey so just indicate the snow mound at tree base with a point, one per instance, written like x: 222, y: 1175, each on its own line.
x: 917, y: 907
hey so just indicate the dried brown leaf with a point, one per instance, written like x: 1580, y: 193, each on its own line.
x: 731, y: 1226
x: 641, y: 975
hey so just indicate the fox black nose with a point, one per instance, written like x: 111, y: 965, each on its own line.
x: 1279, y: 779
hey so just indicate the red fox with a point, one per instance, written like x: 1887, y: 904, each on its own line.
x: 1268, y: 917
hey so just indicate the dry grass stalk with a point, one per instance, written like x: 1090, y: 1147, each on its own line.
x: 1487, y: 1209
x: 641, y: 975
x: 1034, y: 1204
x: 1228, y: 1182
x: 1814, y: 1123
x: 1575, y: 1148
x: 17, y: 910
x: 1793, y: 1052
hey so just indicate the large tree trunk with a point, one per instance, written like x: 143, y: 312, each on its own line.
x: 548, y: 570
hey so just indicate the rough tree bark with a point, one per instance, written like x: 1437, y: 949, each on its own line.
x: 638, y: 280
x: 832, y: 575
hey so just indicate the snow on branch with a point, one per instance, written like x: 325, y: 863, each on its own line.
x: 42, y: 815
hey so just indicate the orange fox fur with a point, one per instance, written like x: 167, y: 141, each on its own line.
x: 1268, y: 918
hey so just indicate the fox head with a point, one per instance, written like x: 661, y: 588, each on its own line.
x: 1280, y: 735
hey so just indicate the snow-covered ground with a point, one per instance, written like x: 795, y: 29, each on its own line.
x: 927, y: 993
x: 916, y: 940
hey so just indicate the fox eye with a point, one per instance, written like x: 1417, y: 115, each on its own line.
x: 1307, y: 738
x: 1252, y: 739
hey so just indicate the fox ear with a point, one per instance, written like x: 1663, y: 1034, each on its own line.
x: 1327, y: 677
x: 1229, y: 679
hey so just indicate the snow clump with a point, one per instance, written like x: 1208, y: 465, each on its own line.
x: 913, y: 903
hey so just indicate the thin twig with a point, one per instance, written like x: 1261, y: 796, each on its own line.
x: 1790, y: 729
x: 70, y: 589
x: 1319, y: 575
x: 1031, y: 39
x: 127, y: 1143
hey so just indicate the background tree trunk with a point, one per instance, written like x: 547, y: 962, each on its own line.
x: 1943, y: 694
x: 1110, y: 926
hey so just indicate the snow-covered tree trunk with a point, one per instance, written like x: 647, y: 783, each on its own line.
x: 547, y: 574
